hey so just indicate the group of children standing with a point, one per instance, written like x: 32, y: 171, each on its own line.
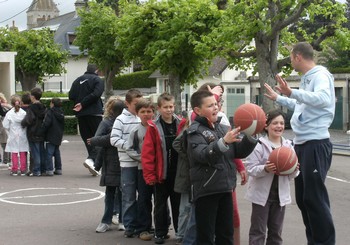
x: 30, y: 127
x: 193, y: 162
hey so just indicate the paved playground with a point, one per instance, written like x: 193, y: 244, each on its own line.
x: 67, y: 209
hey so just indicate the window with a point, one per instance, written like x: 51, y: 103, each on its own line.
x: 235, y: 90
x: 71, y: 38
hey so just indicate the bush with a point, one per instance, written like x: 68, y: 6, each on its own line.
x: 70, y: 125
x: 138, y: 79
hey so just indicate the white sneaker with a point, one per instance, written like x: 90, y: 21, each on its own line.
x: 115, y: 219
x: 89, y: 164
x: 102, y: 227
x: 121, y: 227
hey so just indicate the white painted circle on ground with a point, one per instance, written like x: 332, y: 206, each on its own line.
x: 50, y: 193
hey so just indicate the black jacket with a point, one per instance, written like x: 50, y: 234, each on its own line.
x: 87, y: 90
x: 110, y: 164
x: 33, y: 120
x: 212, y: 170
x: 53, y: 125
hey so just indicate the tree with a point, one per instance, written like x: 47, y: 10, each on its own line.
x: 256, y: 33
x: 97, y: 34
x: 164, y: 35
x: 37, y: 54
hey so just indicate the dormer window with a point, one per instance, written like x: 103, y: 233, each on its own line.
x: 71, y: 38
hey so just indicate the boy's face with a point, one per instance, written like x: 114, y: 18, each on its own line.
x: 145, y: 114
x: 131, y: 105
x: 208, y: 109
x: 166, y: 110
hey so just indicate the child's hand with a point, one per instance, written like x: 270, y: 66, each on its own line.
x: 244, y: 177
x: 231, y: 136
x: 270, y: 167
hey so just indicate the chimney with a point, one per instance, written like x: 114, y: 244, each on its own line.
x: 80, y: 4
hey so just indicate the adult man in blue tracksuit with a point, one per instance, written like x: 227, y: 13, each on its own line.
x: 314, y: 105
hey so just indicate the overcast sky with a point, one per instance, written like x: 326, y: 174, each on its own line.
x: 10, y: 8
x: 16, y: 10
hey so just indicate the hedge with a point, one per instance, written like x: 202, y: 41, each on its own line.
x: 138, y: 79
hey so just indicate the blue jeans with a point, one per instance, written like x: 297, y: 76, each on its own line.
x: 191, y: 229
x: 144, y: 204
x: 118, y: 204
x: 184, y: 214
x: 129, y: 178
x: 37, y: 151
x: 53, y: 151
x: 109, y: 204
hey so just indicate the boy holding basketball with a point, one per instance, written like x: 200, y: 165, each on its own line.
x: 211, y: 148
x: 268, y: 192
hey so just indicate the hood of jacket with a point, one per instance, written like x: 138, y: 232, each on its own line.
x: 38, y: 110
x: 58, y: 113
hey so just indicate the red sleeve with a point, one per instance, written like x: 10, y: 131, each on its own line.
x: 239, y: 165
x: 148, y: 157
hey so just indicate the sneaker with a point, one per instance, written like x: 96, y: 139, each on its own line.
x: 145, y: 236
x: 102, y: 227
x: 159, y: 239
x: 36, y: 174
x: 129, y: 234
x: 58, y: 172
x: 23, y: 173
x: 178, y: 241
x: 115, y: 219
x: 121, y: 227
x: 29, y: 173
x: 49, y: 173
x: 13, y: 173
x: 89, y: 164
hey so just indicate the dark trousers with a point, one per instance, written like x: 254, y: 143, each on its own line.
x: 311, y: 194
x: 109, y: 204
x: 162, y: 192
x: 214, y: 219
x: 144, y: 204
x: 270, y: 216
x: 53, y: 151
x: 87, y: 127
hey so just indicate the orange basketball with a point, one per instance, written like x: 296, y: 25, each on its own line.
x: 285, y: 160
x: 250, y: 117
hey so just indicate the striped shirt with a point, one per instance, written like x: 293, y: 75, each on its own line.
x: 122, y: 127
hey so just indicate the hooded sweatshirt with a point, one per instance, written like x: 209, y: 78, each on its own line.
x: 53, y: 125
x: 33, y: 120
x: 313, y: 104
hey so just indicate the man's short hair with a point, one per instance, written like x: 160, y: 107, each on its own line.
x: 304, y: 49
x: 144, y: 103
x: 211, y: 85
x: 164, y: 96
x: 57, y: 102
x: 198, y: 96
x: 36, y: 93
x: 132, y: 94
x: 91, y: 68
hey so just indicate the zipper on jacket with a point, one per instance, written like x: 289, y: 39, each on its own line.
x: 206, y: 183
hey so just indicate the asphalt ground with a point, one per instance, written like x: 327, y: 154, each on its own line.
x: 66, y: 209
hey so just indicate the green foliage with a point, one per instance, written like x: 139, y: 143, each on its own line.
x: 37, y: 53
x: 67, y: 105
x: 97, y: 34
x: 166, y: 35
x: 134, y: 80
x: 70, y: 125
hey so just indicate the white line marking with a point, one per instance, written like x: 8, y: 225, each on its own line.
x: 89, y: 191
x: 341, y: 180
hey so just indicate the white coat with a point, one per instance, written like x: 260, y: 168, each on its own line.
x: 260, y: 181
x: 17, y: 135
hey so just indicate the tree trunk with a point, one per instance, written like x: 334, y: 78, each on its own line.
x: 28, y: 81
x: 175, y: 90
x: 266, y: 71
x: 109, y: 78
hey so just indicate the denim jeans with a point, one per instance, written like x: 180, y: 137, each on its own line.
x: 191, y: 229
x: 37, y: 151
x: 129, y: 176
x: 53, y: 151
x: 144, y: 204
x: 109, y: 204
x: 184, y: 214
x: 118, y: 204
